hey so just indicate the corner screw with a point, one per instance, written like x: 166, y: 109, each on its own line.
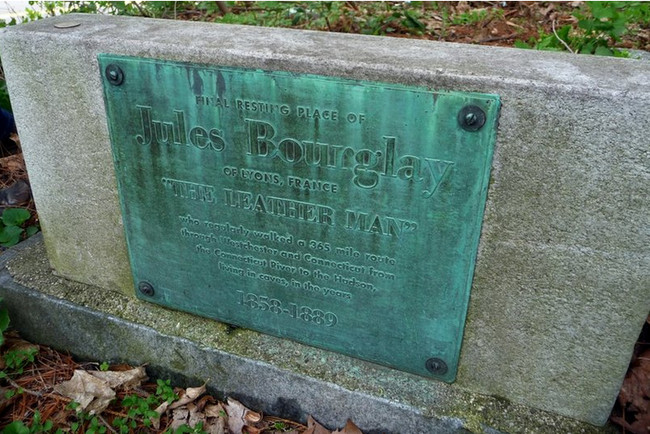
x: 471, y: 118
x: 436, y: 366
x: 114, y: 74
x: 145, y: 288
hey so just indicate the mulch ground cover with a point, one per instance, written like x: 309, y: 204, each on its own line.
x: 43, y: 390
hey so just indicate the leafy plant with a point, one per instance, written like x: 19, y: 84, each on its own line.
x: 4, y: 93
x: 137, y: 408
x: 280, y: 426
x: 186, y: 429
x: 11, y: 226
x: 91, y: 423
x: 4, y: 322
x: 16, y: 360
x: 165, y: 391
x: 37, y: 426
x: 94, y: 427
x: 600, y: 25
x: 470, y: 17
x: 104, y: 366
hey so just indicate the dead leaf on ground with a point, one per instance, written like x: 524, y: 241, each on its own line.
x: 634, y: 397
x: 239, y: 416
x: 314, y: 427
x: 126, y: 379
x: 195, y: 415
x: 22, y: 346
x: 639, y: 426
x: 215, y: 426
x: 179, y: 417
x: 215, y: 410
x: 90, y: 392
x: 349, y: 428
x: 191, y: 393
x: 155, y: 422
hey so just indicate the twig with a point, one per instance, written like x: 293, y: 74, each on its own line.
x: 223, y: 7
x: 142, y: 12
x: 329, y: 28
x: 353, y: 5
x: 27, y: 391
x: 99, y: 416
x: 560, y: 39
x: 287, y: 421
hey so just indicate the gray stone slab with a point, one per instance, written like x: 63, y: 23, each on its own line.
x: 269, y: 374
x: 561, y: 286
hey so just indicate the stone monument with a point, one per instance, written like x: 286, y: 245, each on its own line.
x: 361, y: 199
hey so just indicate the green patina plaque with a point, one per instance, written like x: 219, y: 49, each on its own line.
x: 339, y: 213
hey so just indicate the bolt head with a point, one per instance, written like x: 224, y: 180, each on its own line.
x: 471, y: 118
x: 145, y: 288
x: 114, y: 74
x: 436, y: 366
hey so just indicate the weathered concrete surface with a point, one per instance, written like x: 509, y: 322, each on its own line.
x: 267, y: 373
x: 562, y: 282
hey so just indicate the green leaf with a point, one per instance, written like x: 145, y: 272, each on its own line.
x: 521, y: 44
x: 31, y: 230
x: 15, y: 216
x: 16, y: 428
x: 603, y: 51
x: 414, y: 21
x: 10, y: 235
x: 4, y: 319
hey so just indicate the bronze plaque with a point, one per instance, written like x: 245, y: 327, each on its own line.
x: 340, y: 213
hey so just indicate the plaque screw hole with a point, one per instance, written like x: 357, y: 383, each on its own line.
x: 145, y: 288
x: 114, y: 75
x: 471, y: 118
x: 436, y: 366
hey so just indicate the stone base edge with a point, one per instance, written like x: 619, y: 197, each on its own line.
x: 90, y: 334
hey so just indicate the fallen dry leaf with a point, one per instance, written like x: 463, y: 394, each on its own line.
x: 21, y: 345
x: 215, y: 426
x: 179, y: 417
x: 252, y: 417
x: 191, y: 393
x: 314, y: 427
x: 215, y: 410
x: 126, y: 379
x: 636, y: 386
x: 639, y: 426
x: 155, y: 422
x: 195, y: 415
x: 240, y: 416
x: 204, y: 401
x: 349, y: 428
x: 92, y: 393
